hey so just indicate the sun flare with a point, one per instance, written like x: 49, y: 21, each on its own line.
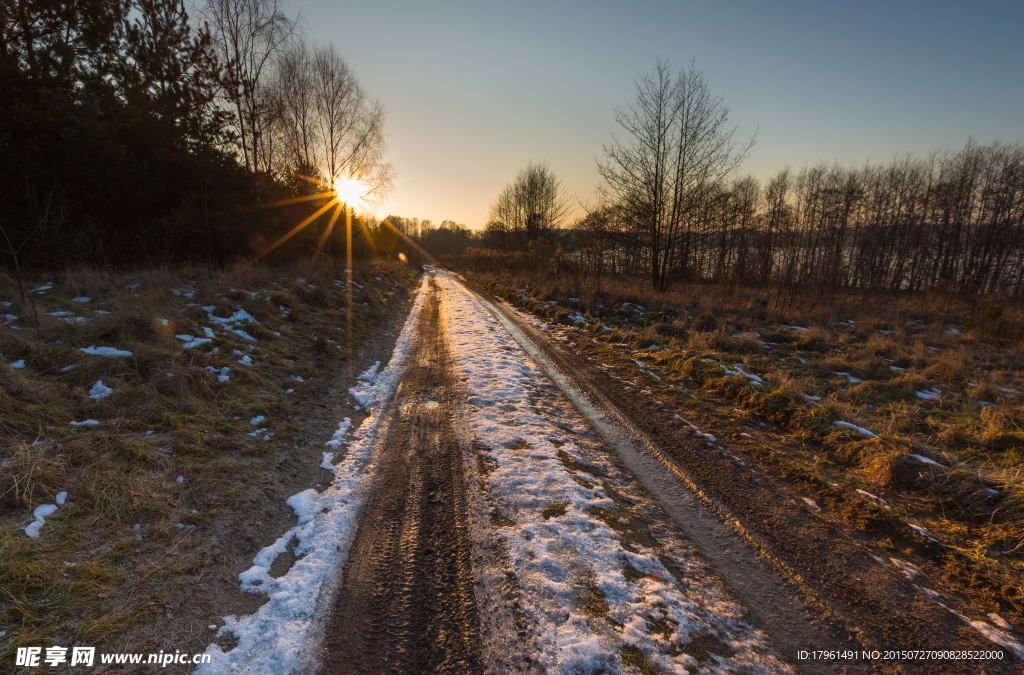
x: 349, y: 191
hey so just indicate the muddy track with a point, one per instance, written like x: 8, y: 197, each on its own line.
x: 406, y: 601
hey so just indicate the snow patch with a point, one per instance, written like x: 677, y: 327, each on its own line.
x: 222, y: 373
x: 104, y: 351
x: 339, y: 436
x: 909, y: 569
x: 875, y: 498
x: 854, y: 427
x: 40, y: 519
x: 190, y: 342
x: 100, y: 391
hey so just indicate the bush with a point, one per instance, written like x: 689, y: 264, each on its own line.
x: 706, y: 321
x: 993, y: 312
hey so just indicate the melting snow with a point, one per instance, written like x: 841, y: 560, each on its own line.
x: 923, y: 532
x: 876, y: 499
x: 40, y: 514
x: 364, y: 393
x: 100, y: 391
x: 911, y: 570
x: 995, y: 635
x: 557, y: 560
x: 1000, y: 622
x: 104, y: 351
x: 282, y: 636
x: 190, y: 342
x: 339, y: 437
x: 854, y: 427
x: 222, y: 373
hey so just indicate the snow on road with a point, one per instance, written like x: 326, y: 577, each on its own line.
x: 284, y: 635
x: 597, y: 596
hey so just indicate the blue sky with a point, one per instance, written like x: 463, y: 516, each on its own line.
x: 474, y: 91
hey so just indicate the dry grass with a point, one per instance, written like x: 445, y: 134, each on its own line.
x: 916, y: 371
x: 90, y: 577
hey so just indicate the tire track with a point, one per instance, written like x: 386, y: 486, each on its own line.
x: 406, y: 602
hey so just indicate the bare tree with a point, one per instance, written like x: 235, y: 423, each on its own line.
x: 679, y: 153
x: 330, y: 129
x: 246, y: 35
x: 292, y: 86
x: 349, y: 127
x: 533, y: 204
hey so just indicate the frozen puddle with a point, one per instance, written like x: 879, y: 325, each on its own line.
x: 594, y: 587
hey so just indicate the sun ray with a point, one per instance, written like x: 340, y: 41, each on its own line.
x: 409, y: 241
x: 367, y: 233
x: 310, y: 179
x: 294, y: 200
x: 296, y: 229
x: 330, y: 228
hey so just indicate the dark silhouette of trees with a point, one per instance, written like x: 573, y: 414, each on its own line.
x: 531, y: 206
x: 107, y: 129
x: 246, y: 35
x: 132, y: 133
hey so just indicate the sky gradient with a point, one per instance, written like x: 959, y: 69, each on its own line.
x: 473, y: 91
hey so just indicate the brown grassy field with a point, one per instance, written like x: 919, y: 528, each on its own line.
x: 916, y: 402
x: 177, y: 446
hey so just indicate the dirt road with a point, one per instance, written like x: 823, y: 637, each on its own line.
x: 406, y: 599
x: 496, y: 513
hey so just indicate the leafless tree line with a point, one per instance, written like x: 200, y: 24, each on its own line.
x: 953, y: 221
x: 673, y: 209
x: 530, y: 207
x: 297, y: 109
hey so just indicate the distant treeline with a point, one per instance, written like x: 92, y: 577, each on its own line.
x: 672, y: 209
x: 952, y: 222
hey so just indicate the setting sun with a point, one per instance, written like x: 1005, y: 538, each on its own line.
x: 349, y: 191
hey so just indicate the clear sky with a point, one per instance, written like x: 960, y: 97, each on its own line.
x: 474, y: 90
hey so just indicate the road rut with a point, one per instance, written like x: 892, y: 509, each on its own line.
x: 406, y: 601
